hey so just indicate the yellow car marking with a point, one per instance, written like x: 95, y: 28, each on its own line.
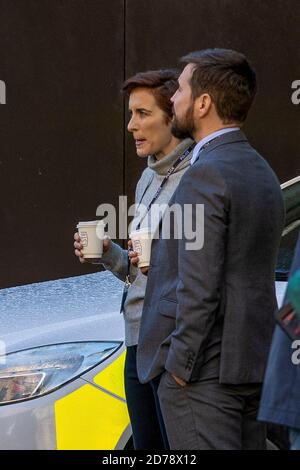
x: 90, y: 418
x: 112, y: 377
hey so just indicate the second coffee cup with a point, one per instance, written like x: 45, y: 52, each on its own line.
x: 141, y: 244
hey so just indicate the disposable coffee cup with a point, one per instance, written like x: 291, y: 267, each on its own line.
x: 141, y: 244
x: 92, y: 235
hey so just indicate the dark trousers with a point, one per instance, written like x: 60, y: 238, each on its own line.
x: 207, y: 415
x: 143, y: 406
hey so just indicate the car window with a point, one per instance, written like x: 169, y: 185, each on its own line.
x: 291, y: 196
x: 286, y: 251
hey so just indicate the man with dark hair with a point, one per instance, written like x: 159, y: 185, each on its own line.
x: 208, y: 313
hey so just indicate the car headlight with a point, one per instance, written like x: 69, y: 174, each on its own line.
x: 34, y: 372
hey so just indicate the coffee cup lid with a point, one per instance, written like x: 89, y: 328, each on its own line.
x: 92, y: 222
x: 141, y: 230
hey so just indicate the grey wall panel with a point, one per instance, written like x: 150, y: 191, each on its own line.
x: 61, y: 146
x: 158, y: 32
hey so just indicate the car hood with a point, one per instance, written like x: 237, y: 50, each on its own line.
x: 82, y: 308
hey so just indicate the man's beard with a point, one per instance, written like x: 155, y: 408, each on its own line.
x: 184, y: 128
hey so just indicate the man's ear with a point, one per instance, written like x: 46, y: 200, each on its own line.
x: 202, y: 105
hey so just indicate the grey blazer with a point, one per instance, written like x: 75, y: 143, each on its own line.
x: 229, y: 283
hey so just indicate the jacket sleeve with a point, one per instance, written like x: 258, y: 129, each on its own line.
x: 116, y: 261
x: 200, y: 270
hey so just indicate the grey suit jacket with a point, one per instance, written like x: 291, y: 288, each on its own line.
x: 229, y: 283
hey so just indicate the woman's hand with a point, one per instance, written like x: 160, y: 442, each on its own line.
x: 134, y: 259
x: 133, y: 256
x: 78, y: 249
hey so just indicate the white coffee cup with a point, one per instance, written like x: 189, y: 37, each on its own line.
x: 92, y: 235
x: 141, y: 244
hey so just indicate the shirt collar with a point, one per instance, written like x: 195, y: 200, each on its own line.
x: 208, y: 138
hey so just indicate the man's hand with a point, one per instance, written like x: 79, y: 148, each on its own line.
x: 179, y: 381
